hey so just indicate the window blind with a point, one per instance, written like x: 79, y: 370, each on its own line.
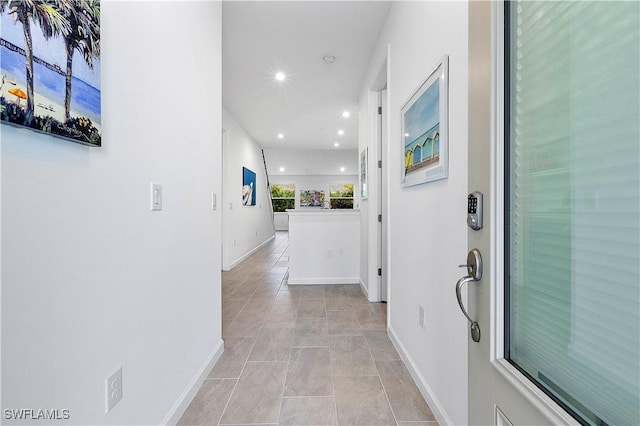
x: 574, y: 204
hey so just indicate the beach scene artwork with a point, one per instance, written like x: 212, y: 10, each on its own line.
x: 311, y: 198
x: 422, y: 131
x: 248, y: 187
x: 50, y: 68
x: 424, y: 119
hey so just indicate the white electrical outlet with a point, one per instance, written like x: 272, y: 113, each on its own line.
x: 421, y: 317
x: 329, y: 253
x: 214, y: 201
x: 113, y: 389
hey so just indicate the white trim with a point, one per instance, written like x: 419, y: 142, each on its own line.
x: 496, y: 243
x: 249, y: 253
x: 427, y: 393
x: 379, y: 83
x: 185, y: 398
x: 365, y: 290
x: 533, y: 394
x: 312, y: 281
x: 315, y: 211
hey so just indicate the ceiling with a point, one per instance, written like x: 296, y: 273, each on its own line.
x: 261, y: 38
x: 282, y: 162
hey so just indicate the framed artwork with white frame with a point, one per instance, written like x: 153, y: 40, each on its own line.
x: 425, y: 133
x: 364, y: 158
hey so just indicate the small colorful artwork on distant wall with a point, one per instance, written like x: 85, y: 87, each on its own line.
x: 363, y: 173
x: 248, y: 187
x: 50, y: 68
x: 311, y: 198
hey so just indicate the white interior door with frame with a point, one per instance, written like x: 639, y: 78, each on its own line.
x: 383, y: 197
x: 554, y: 101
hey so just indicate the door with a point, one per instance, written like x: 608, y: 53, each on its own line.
x: 382, y: 199
x: 554, y: 99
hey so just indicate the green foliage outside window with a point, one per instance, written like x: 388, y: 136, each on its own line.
x: 342, y: 203
x: 283, y: 197
x: 342, y: 191
x: 283, y: 190
x: 341, y: 196
x: 282, y: 204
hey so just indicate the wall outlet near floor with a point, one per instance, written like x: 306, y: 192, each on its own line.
x: 113, y: 389
x: 421, y: 317
x: 329, y: 253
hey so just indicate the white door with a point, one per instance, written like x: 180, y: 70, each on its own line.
x: 554, y: 146
x: 382, y: 199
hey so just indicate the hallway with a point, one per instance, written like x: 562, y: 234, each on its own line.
x: 303, y: 355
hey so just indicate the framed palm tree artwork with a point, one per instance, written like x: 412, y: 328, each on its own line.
x: 50, y: 67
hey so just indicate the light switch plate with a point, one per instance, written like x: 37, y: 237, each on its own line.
x: 156, y: 196
x: 214, y: 202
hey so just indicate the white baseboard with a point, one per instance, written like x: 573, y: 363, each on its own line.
x: 180, y: 406
x: 364, y: 288
x: 249, y: 253
x: 436, y: 407
x: 312, y: 281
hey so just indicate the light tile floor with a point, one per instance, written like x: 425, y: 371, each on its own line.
x: 303, y: 355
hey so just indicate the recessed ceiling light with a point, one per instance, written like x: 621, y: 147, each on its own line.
x: 341, y: 132
x: 280, y: 76
x: 329, y: 59
x: 282, y: 169
x: 342, y: 169
x: 336, y: 144
x: 280, y: 136
x: 406, y: 135
x: 346, y: 114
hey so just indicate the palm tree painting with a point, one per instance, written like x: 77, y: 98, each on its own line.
x: 35, y: 37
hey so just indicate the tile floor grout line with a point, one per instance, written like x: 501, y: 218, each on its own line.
x: 237, y: 381
x: 333, y: 382
x: 384, y: 389
x: 284, y: 385
x: 286, y: 371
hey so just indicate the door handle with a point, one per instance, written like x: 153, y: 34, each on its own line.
x: 474, y: 267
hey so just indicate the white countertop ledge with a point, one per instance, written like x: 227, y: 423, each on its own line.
x: 332, y: 212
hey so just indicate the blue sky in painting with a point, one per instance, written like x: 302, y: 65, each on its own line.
x: 51, y: 50
x: 424, y: 114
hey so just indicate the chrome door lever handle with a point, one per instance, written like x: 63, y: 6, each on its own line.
x: 474, y: 269
x: 462, y: 281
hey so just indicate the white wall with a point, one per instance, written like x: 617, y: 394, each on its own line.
x: 245, y: 228
x: 324, y: 246
x: 317, y: 182
x: 423, y: 259
x: 91, y: 278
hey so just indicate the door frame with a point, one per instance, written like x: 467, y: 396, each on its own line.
x: 515, y: 398
x: 378, y: 150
